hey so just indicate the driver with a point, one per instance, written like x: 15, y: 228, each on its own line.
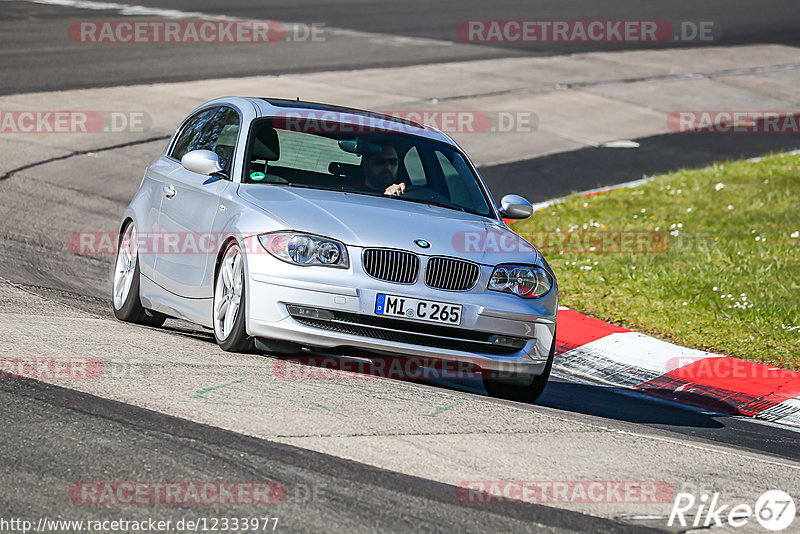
x: 380, y: 171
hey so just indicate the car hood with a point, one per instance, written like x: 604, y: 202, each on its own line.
x: 373, y: 221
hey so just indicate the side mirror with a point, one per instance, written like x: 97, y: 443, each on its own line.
x: 515, y: 207
x: 202, y: 162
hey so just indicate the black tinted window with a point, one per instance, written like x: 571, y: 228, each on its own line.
x: 326, y: 155
x: 190, y: 132
x: 220, y: 136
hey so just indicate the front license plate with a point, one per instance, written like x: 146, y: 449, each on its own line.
x: 422, y: 310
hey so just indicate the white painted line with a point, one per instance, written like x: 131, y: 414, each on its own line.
x: 759, y: 158
x: 132, y: 10
x: 559, y: 200
x: 620, y: 143
x: 712, y: 449
x: 645, y: 352
x: 633, y: 183
x: 388, y: 39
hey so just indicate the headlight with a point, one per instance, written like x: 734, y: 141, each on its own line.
x: 305, y: 249
x: 526, y: 281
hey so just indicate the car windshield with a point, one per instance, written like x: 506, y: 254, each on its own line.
x: 407, y: 167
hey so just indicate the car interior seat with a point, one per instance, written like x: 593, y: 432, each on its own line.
x: 266, y: 148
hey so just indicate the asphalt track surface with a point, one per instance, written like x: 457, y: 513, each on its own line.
x: 323, y: 492
x: 36, y: 49
x: 53, y: 435
x: 555, y: 175
x: 136, y: 443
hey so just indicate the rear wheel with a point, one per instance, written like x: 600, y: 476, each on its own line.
x: 125, y: 294
x: 230, y: 329
x: 496, y: 387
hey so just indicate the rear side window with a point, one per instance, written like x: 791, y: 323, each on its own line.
x: 414, y: 167
x: 311, y: 152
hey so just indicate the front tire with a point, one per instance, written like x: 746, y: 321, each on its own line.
x: 527, y: 394
x: 229, y: 307
x: 125, y: 297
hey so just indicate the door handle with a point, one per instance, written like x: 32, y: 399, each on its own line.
x: 169, y: 191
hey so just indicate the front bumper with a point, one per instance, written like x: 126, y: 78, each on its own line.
x: 351, y: 295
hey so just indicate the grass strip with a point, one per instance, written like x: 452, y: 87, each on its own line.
x: 706, y: 258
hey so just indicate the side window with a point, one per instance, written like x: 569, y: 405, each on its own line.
x: 190, y: 131
x: 462, y: 187
x: 312, y: 153
x: 414, y: 167
x: 220, y: 136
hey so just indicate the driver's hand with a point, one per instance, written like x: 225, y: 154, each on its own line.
x: 395, y: 190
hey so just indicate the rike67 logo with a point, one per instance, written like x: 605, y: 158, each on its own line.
x: 774, y: 510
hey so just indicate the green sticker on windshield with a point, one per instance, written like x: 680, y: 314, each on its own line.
x: 256, y: 176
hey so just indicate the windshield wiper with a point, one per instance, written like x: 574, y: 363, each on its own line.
x: 303, y: 186
x: 431, y: 203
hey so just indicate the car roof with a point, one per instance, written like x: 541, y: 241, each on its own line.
x: 270, y: 107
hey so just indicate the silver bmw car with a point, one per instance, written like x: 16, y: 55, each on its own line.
x: 289, y: 226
